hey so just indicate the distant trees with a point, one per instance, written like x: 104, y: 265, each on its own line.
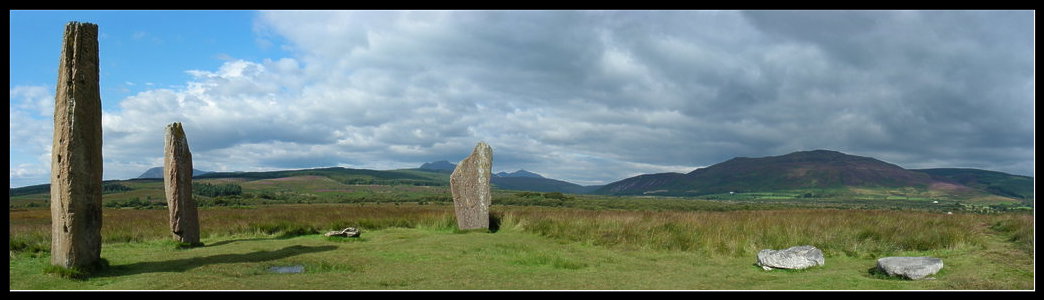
x: 135, y: 202
x: 215, y: 190
x: 549, y: 195
x: 534, y: 199
x: 112, y: 187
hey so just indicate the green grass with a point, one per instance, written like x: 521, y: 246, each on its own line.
x: 428, y: 259
x: 535, y: 248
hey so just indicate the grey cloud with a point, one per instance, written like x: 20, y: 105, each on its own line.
x: 596, y: 96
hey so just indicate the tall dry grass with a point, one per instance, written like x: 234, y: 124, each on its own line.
x: 1017, y: 228
x: 862, y: 233
x: 740, y: 233
x: 30, y: 229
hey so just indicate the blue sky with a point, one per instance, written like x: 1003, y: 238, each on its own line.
x: 139, y: 49
x: 589, y: 97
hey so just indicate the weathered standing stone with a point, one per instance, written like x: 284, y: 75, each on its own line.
x: 798, y: 257
x: 914, y: 268
x: 177, y: 182
x: 469, y: 184
x: 76, y: 152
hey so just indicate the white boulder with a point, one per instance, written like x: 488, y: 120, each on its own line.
x: 798, y: 257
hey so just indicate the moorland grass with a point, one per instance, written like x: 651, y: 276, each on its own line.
x: 430, y: 259
x: 541, y: 241
x: 858, y: 233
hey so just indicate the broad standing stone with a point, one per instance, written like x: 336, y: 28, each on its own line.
x: 914, y: 268
x: 76, y: 152
x: 797, y: 257
x: 469, y: 184
x: 177, y: 182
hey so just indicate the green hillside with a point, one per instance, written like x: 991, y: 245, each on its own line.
x: 343, y: 175
x: 998, y: 183
x: 538, y: 185
x: 819, y: 169
x: 823, y: 173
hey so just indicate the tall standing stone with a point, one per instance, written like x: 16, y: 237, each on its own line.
x: 76, y: 152
x: 469, y: 184
x: 177, y: 183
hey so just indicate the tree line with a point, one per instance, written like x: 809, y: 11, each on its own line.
x: 215, y: 190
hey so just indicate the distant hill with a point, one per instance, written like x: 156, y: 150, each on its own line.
x: 441, y: 165
x: 344, y: 175
x: 540, y: 184
x: 519, y: 173
x: 807, y: 170
x: 998, y: 183
x: 647, y: 184
x: 818, y: 169
x: 157, y: 172
x: 520, y: 180
x: 523, y: 180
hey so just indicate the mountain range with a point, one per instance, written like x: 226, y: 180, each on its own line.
x: 803, y: 170
x: 817, y: 170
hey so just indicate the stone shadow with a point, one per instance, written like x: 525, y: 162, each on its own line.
x: 494, y: 221
x: 219, y: 243
x: 279, y: 237
x: 185, y: 264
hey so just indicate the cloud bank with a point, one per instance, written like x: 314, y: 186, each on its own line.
x: 588, y: 96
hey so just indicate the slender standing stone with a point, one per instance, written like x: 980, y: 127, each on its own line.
x: 76, y: 152
x: 469, y: 184
x: 177, y: 183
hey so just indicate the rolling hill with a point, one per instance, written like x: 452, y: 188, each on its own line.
x: 344, y: 175
x: 439, y: 166
x: 833, y: 173
x: 998, y: 183
x: 805, y: 170
x: 539, y: 185
x: 157, y: 172
x: 520, y: 180
x: 519, y: 173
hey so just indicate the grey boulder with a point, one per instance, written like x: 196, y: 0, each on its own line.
x: 914, y: 268
x: 797, y: 257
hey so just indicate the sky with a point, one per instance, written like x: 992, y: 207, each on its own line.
x: 589, y: 97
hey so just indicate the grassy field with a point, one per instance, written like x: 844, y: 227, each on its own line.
x: 415, y: 247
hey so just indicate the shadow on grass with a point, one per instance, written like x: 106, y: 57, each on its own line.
x: 494, y: 221
x: 876, y: 273
x: 278, y: 237
x: 240, y: 240
x: 185, y: 264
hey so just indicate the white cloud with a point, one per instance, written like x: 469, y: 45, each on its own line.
x: 593, y: 96
x: 31, y: 124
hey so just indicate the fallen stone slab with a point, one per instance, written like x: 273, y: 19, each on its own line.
x: 797, y: 257
x: 914, y: 268
x: 347, y: 232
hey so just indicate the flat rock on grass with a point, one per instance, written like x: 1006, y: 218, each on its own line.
x: 915, y: 268
x: 347, y: 232
x: 797, y: 257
